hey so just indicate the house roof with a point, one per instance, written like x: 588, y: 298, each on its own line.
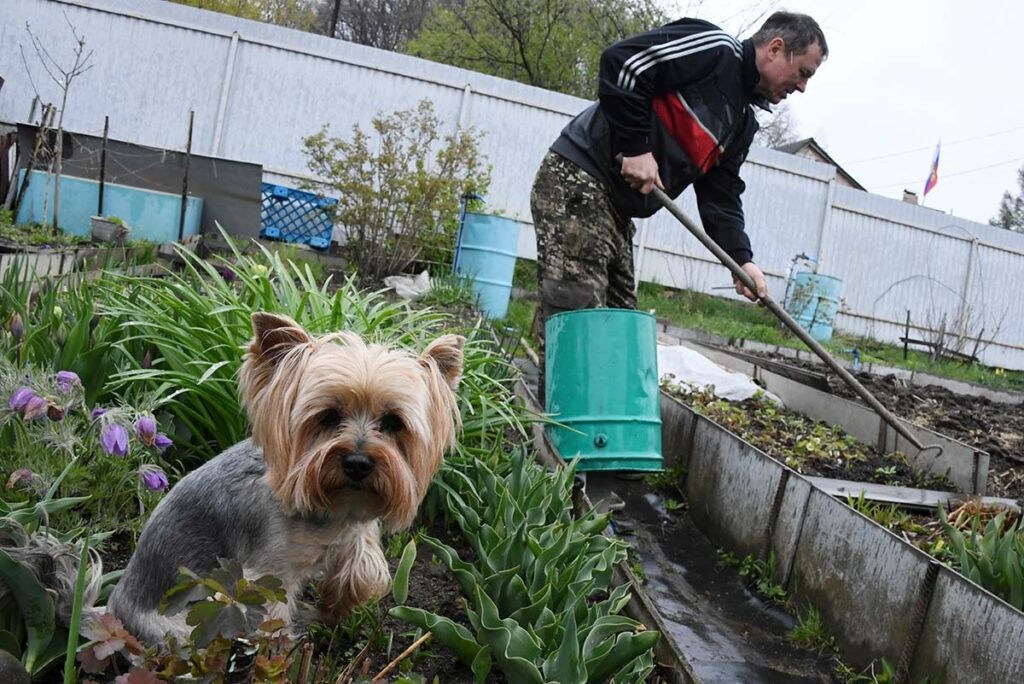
x: 812, y: 144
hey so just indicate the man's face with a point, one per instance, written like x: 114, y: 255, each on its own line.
x: 783, y: 72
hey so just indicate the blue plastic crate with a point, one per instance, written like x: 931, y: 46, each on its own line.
x: 296, y: 216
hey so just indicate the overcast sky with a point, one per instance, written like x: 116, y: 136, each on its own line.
x: 901, y: 74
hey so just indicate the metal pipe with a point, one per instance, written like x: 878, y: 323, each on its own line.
x: 781, y: 313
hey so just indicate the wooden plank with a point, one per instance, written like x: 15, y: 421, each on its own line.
x: 905, y: 497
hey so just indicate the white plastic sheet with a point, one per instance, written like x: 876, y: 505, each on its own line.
x: 685, y: 367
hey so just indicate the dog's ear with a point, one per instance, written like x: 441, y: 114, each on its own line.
x: 274, y: 335
x: 445, y: 354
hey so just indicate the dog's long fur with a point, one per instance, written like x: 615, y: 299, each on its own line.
x: 346, y: 438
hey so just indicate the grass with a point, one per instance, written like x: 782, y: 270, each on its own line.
x: 810, y: 632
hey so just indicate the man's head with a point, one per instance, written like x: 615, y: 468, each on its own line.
x: 790, y: 47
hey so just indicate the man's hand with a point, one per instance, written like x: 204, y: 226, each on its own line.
x: 755, y: 274
x: 641, y: 172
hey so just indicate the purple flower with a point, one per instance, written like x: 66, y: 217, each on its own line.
x: 114, y: 439
x: 153, y: 477
x: 20, y: 398
x: 17, y: 327
x: 97, y: 412
x: 36, y: 407
x: 19, y: 476
x: 162, y: 441
x: 145, y: 430
x: 68, y: 379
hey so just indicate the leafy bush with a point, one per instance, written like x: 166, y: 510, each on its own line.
x: 398, y: 196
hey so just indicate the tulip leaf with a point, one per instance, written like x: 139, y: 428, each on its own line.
x: 400, y: 586
x: 35, y: 605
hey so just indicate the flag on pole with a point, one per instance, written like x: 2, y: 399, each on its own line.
x: 933, y: 177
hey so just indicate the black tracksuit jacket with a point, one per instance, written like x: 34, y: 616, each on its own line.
x: 684, y: 92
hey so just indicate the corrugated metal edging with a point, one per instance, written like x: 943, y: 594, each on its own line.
x: 146, y: 105
x: 883, y: 276
x: 314, y: 92
x: 785, y: 214
x: 872, y: 589
x: 998, y: 307
x: 924, y: 218
x: 993, y: 655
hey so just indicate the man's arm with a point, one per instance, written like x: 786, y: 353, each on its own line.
x: 719, y: 201
x: 635, y: 70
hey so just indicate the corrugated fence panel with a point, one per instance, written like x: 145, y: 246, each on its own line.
x: 154, y: 61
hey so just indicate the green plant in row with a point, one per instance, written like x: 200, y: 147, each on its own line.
x: 991, y: 556
x: 539, y: 599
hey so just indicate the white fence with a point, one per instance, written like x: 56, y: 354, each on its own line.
x: 257, y: 90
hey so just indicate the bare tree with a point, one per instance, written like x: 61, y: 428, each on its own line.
x: 385, y: 24
x: 63, y: 77
x: 778, y: 128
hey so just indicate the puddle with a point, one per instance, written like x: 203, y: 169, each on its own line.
x: 726, y: 632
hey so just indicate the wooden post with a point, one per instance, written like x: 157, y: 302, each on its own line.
x: 103, y: 163
x: 45, y: 121
x: 184, y: 184
x: 334, y: 18
x: 906, y: 336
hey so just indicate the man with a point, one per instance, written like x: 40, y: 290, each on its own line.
x: 677, y: 104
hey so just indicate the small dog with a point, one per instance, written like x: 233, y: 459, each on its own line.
x: 346, y: 439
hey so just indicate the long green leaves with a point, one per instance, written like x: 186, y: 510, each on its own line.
x: 992, y: 557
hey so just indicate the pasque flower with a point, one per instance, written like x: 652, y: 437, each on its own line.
x: 153, y: 477
x: 20, y: 398
x: 68, y: 379
x: 17, y: 327
x: 36, y: 407
x: 114, y: 439
x: 145, y: 430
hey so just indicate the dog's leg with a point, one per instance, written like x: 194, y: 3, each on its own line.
x: 357, y: 572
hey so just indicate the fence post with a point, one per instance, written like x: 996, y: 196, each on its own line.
x: 184, y: 182
x: 225, y: 89
x: 460, y: 122
x: 826, y: 223
x: 103, y: 164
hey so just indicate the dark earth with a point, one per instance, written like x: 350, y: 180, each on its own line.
x: 995, y: 427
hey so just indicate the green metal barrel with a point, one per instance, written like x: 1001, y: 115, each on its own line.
x: 601, y: 376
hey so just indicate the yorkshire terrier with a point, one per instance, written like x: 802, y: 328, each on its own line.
x: 346, y: 438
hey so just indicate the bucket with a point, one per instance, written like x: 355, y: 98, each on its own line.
x: 813, y: 300
x: 601, y: 373
x: 486, y: 253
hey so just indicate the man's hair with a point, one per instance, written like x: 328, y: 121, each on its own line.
x: 798, y: 31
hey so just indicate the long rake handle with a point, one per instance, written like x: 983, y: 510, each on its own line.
x: 783, y: 316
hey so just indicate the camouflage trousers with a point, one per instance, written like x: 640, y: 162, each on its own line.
x: 584, y: 245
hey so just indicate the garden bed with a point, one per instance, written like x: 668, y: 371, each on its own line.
x: 810, y: 447
x: 992, y: 426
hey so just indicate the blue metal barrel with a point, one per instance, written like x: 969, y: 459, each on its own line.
x: 813, y: 300
x: 486, y: 253
x: 601, y: 382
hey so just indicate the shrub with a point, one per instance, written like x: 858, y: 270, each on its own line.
x: 398, y: 199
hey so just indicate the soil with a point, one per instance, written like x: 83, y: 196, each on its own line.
x: 995, y: 427
x: 433, y: 588
x: 837, y: 456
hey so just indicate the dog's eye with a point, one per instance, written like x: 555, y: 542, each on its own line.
x: 391, y: 423
x: 331, y: 418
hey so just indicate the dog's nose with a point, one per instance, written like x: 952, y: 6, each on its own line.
x: 357, y: 466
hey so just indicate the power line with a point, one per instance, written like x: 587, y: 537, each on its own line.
x: 929, y: 147
x: 958, y: 173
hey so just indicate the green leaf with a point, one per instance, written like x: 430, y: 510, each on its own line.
x: 451, y: 634
x: 565, y: 665
x: 400, y: 586
x: 626, y: 648
x: 214, y: 619
x: 9, y: 643
x: 512, y: 646
x: 35, y: 605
